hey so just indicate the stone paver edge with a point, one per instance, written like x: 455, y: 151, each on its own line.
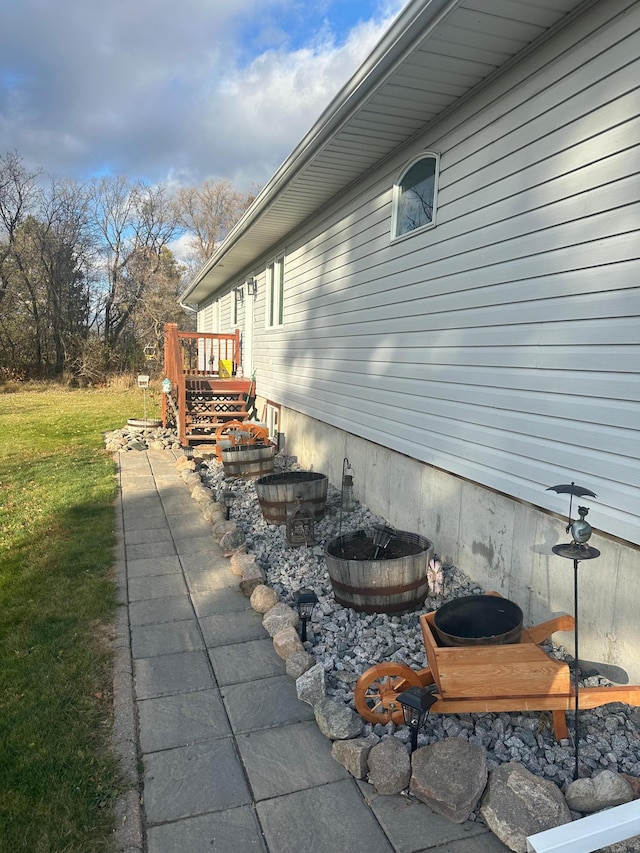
x: 128, y: 809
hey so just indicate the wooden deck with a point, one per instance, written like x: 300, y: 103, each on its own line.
x: 207, y: 386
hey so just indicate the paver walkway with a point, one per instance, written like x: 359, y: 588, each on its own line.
x: 232, y: 761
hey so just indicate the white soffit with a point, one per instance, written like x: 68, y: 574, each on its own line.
x: 434, y: 54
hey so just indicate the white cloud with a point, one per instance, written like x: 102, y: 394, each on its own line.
x: 222, y: 89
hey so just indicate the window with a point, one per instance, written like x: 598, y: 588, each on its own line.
x: 235, y: 297
x: 414, y: 197
x: 273, y: 421
x: 275, y: 293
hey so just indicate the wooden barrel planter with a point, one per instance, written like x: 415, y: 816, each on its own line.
x: 248, y: 460
x: 479, y: 620
x: 142, y: 423
x: 393, y: 582
x: 281, y: 493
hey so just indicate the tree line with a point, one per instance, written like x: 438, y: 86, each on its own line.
x: 87, y: 275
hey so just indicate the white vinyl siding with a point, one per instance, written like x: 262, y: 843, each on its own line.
x: 208, y: 319
x: 503, y: 345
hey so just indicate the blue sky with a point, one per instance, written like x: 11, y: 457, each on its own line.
x: 160, y: 90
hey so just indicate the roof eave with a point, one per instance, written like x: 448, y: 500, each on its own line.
x: 416, y: 18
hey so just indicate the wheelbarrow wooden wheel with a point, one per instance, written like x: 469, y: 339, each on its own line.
x: 240, y: 432
x: 377, y: 690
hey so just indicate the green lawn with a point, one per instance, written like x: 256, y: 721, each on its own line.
x: 58, y: 776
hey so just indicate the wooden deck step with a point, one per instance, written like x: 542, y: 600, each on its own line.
x: 203, y: 420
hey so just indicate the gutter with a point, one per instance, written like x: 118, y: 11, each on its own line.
x: 417, y: 19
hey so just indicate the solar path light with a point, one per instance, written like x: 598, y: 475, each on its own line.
x: 305, y: 600
x: 416, y: 702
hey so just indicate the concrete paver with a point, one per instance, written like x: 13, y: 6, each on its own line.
x: 156, y: 586
x: 411, y: 825
x: 181, y: 719
x: 150, y: 640
x: 195, y: 545
x: 288, y: 758
x: 220, y: 629
x: 164, y: 675
x: 220, y: 600
x: 195, y: 779
x: 151, y: 549
x: 153, y: 566
x: 234, y: 830
x: 325, y: 819
x: 245, y: 662
x: 232, y: 761
x: 267, y: 702
x: 151, y: 611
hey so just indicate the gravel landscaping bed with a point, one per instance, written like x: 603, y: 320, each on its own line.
x: 347, y: 643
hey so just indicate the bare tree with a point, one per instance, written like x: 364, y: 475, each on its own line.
x: 46, y: 273
x: 133, y: 223
x: 161, y: 304
x: 18, y: 195
x: 208, y: 212
x: 66, y: 254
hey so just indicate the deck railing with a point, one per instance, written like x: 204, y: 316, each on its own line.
x: 196, y: 354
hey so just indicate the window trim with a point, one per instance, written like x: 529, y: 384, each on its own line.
x: 275, y: 275
x: 397, y: 191
x: 272, y: 418
x: 234, y: 313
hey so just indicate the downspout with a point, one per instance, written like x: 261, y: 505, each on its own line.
x: 589, y: 833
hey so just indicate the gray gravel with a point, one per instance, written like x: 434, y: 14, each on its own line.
x: 347, y: 643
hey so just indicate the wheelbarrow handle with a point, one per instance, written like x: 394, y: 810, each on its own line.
x: 540, y: 632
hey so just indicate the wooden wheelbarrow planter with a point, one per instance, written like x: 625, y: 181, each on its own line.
x: 473, y: 679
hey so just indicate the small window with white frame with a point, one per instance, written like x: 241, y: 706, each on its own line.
x: 414, y: 196
x: 236, y: 297
x: 275, y: 293
x: 272, y: 417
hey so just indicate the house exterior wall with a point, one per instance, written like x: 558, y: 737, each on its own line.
x: 497, y: 353
x: 503, y: 544
x: 208, y: 317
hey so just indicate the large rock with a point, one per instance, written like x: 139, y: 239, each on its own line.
x: 279, y: 617
x: 450, y: 776
x: 310, y: 686
x: 221, y: 528
x: 336, y: 720
x: 201, y: 495
x: 517, y: 804
x: 287, y: 642
x: 240, y: 563
x: 252, y: 571
x: 191, y: 478
x: 389, y: 766
x: 184, y: 463
x: 603, y: 791
x: 634, y: 782
x: 248, y: 587
x: 263, y: 598
x: 212, y: 512
x: 232, y: 541
x: 298, y: 663
x: 353, y: 755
